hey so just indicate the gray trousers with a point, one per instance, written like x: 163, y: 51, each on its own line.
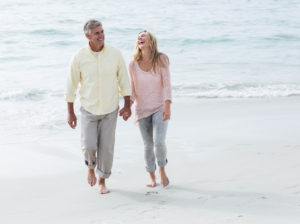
x: 98, y: 140
x: 154, y: 131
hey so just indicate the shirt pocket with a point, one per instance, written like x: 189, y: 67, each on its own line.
x: 89, y: 70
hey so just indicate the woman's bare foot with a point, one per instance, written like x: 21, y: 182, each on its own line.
x: 102, y: 187
x: 92, y: 180
x: 165, y: 181
x: 152, y: 180
x: 163, y: 177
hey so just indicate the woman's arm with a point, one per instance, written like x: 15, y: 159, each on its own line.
x: 167, y: 110
x: 167, y: 89
x: 130, y: 70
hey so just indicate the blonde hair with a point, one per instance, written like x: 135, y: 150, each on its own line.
x: 157, y: 58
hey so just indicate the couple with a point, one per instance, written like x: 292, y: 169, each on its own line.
x: 102, y: 74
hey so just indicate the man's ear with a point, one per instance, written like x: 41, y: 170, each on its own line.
x: 87, y: 35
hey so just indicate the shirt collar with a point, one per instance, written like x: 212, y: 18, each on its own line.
x: 92, y: 52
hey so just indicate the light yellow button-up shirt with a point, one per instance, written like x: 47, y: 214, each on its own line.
x: 102, y: 78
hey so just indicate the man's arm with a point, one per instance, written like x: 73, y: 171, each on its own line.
x: 72, y: 119
x: 72, y: 84
x: 125, y: 88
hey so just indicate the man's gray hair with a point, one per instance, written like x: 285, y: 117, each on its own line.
x: 89, y: 25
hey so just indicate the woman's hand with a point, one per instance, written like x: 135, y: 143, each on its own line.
x: 167, y: 111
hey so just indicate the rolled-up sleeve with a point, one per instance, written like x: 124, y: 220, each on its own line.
x: 73, y: 80
x: 123, y: 79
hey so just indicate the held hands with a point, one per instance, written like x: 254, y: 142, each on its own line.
x: 125, y: 112
x: 72, y: 120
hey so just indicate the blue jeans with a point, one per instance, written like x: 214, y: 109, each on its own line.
x: 154, y: 130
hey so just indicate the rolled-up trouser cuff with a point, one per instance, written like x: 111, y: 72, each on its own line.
x: 162, y: 163
x: 91, y: 165
x: 151, y: 168
x: 102, y: 174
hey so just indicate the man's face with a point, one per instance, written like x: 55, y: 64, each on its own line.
x: 96, y: 37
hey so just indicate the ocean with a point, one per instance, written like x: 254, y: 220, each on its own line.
x: 217, y: 49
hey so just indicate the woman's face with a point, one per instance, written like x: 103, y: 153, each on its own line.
x: 143, y: 40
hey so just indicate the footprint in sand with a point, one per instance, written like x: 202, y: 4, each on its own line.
x: 263, y: 197
x: 151, y: 193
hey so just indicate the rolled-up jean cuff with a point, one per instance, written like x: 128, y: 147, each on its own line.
x: 151, y: 168
x: 162, y: 163
x: 102, y: 174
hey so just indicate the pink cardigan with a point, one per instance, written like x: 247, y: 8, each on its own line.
x: 149, y: 90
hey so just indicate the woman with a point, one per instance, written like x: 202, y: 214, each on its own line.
x: 151, y: 93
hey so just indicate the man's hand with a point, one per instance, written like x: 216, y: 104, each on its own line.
x: 125, y: 112
x: 72, y: 120
x: 167, y: 111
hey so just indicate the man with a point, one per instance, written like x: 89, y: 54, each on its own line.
x: 102, y: 74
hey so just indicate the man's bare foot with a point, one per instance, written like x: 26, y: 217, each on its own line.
x: 152, y: 180
x: 164, y: 180
x: 102, y: 187
x: 92, y: 180
x: 151, y: 184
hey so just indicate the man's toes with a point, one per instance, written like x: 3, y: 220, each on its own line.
x: 151, y: 185
x: 106, y: 191
x: 103, y: 190
x: 93, y: 182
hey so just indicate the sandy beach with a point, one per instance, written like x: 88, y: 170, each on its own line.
x: 230, y: 161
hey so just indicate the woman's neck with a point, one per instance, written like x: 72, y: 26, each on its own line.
x: 146, y: 55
